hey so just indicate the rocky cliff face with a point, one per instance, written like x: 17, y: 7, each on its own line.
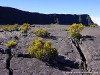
x: 12, y: 16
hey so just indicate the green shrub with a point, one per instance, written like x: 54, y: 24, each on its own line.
x: 43, y: 50
x: 75, y: 29
x: 42, y: 33
x: 15, y: 27
x: 92, y: 25
x: 10, y: 27
x: 5, y: 28
x: 11, y: 43
x: 76, y: 35
x: 25, y: 27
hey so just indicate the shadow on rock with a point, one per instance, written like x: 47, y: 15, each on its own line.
x: 51, y: 37
x: 84, y: 38
x: 62, y: 64
x: 2, y: 51
x: 25, y: 55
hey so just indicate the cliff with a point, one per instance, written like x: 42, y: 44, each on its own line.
x: 10, y: 15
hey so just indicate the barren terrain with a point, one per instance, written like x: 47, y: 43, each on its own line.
x: 69, y: 59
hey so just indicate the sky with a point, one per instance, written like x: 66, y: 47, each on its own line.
x: 91, y: 7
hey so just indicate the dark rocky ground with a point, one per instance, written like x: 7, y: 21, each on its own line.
x: 69, y: 59
x: 91, y: 48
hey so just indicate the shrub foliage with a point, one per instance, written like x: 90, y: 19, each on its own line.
x: 92, y: 25
x: 11, y: 43
x: 43, y: 50
x: 10, y: 27
x: 25, y: 27
x: 42, y: 33
x: 75, y: 30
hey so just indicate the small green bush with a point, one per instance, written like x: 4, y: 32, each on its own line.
x: 5, y: 28
x: 16, y: 27
x: 11, y: 43
x: 43, y: 50
x: 75, y: 29
x: 76, y: 35
x: 10, y: 27
x: 92, y: 25
x: 42, y: 33
x: 25, y: 27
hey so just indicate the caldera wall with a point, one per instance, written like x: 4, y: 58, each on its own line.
x: 10, y: 15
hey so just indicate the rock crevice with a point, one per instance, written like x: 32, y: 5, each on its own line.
x: 83, y: 59
x: 8, y: 61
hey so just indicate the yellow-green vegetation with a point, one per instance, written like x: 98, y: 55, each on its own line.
x: 42, y: 33
x: 75, y: 29
x: 25, y: 27
x: 10, y: 27
x: 76, y: 35
x: 11, y: 43
x: 43, y: 50
x: 92, y: 25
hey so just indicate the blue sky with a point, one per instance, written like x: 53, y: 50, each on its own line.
x: 90, y: 7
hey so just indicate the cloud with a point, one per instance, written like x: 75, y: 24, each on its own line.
x: 96, y: 20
